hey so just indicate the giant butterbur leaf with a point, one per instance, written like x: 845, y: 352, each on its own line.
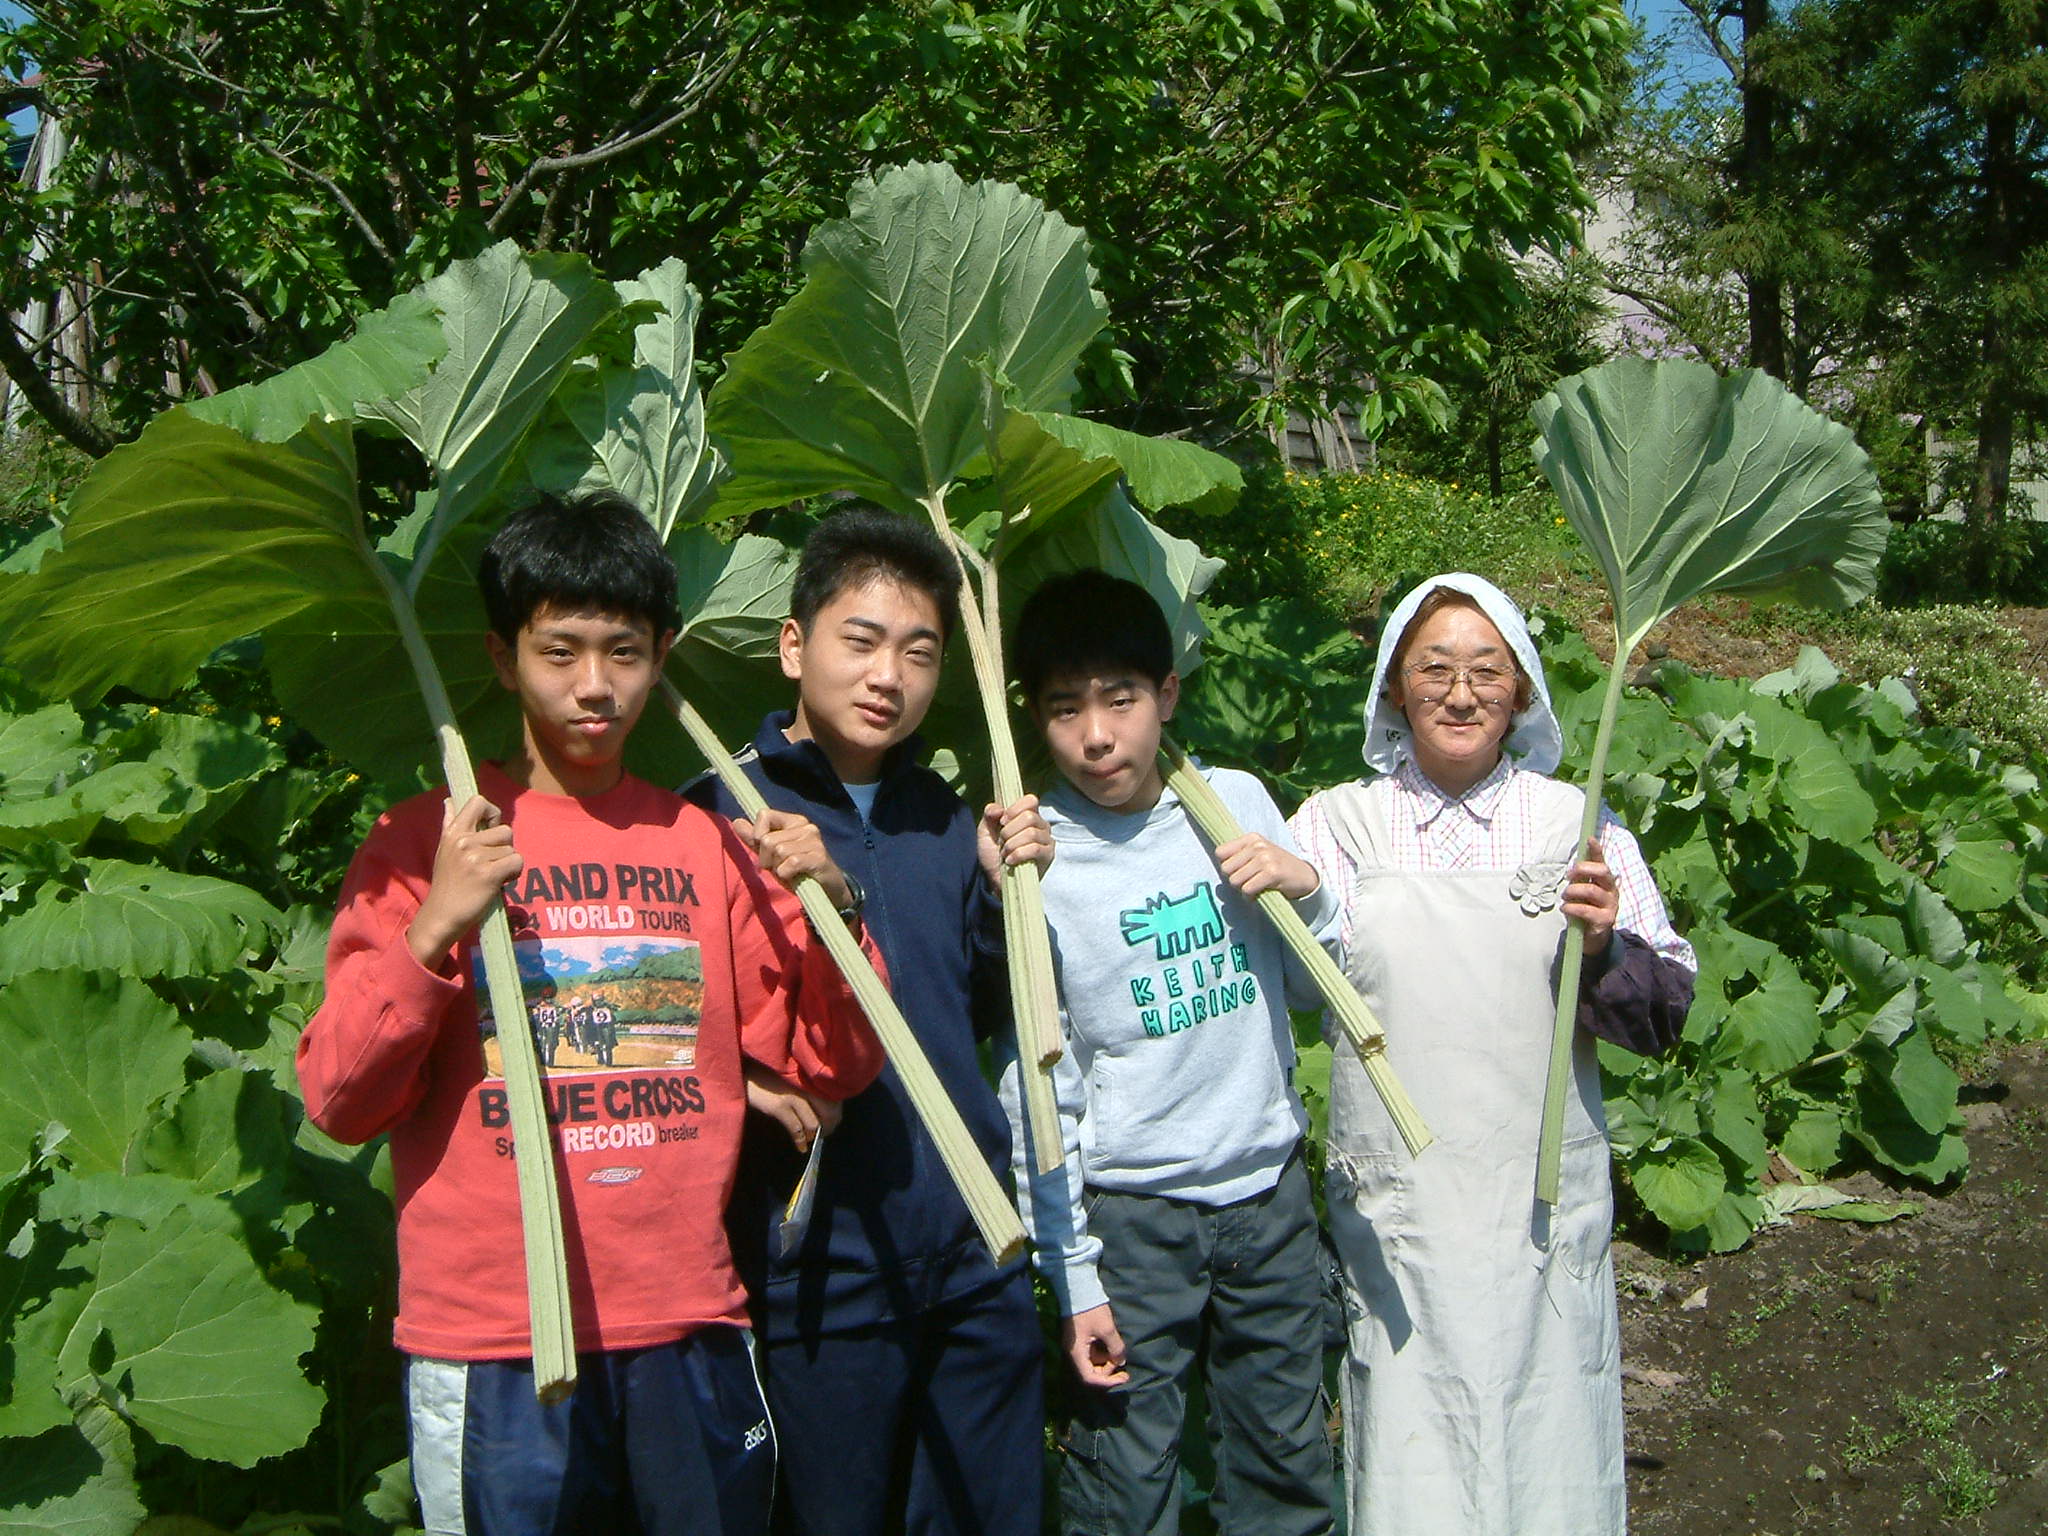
x: 513, y: 323
x: 1683, y: 482
x: 871, y: 379
x: 639, y: 429
x: 90, y: 1052
x: 72, y: 1481
x: 208, y: 1349
x: 387, y: 356
x: 181, y: 541
x: 137, y: 918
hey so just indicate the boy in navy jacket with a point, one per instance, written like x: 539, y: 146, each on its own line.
x: 902, y: 1365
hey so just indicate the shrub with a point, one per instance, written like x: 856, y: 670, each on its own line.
x: 1342, y: 542
x: 1943, y: 562
x: 1963, y: 665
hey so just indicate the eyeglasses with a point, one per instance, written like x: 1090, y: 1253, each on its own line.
x: 1432, y: 681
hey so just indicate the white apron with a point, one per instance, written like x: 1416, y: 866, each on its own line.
x: 1482, y: 1389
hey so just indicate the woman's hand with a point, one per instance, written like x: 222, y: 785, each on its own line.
x: 1096, y: 1348
x: 1255, y: 865
x: 1591, y: 897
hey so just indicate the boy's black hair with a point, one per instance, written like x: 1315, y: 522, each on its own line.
x: 592, y: 553
x: 859, y: 543
x: 1090, y: 623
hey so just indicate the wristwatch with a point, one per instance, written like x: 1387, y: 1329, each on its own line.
x: 856, y: 898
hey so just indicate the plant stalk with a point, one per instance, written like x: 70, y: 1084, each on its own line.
x: 1027, y: 944
x: 994, y: 1214
x: 540, y: 1205
x: 1207, y: 810
x: 1550, y: 1141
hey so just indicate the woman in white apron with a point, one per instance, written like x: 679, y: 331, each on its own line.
x: 1482, y: 1393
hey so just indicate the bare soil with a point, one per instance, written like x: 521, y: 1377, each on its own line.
x: 1837, y: 1377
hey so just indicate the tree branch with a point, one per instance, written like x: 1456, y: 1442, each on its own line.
x: 332, y: 188
x: 43, y: 397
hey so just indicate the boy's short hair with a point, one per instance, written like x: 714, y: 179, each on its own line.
x: 856, y: 545
x: 1090, y: 622
x: 592, y: 553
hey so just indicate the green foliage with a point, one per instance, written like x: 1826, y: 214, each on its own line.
x: 1343, y: 543
x: 1953, y: 562
x: 257, y: 177
x: 1846, y: 875
x: 191, y: 1276
x: 1966, y: 669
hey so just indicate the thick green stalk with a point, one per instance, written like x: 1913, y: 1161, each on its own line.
x: 1034, y: 989
x: 1550, y: 1142
x: 540, y: 1206
x: 1206, y: 808
x: 993, y: 1213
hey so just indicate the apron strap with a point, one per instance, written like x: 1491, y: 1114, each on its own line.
x: 1358, y: 819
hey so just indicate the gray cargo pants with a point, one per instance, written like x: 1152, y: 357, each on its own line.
x: 1237, y: 1288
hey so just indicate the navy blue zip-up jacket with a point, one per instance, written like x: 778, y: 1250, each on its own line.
x: 889, y: 1234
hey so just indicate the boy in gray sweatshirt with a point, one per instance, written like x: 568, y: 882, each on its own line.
x: 1179, y: 1231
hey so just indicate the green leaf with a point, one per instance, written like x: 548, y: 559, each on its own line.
x: 72, y: 1481
x: 734, y: 598
x: 1162, y: 471
x: 1684, y: 482
x: 342, y: 670
x: 39, y: 1272
x: 1979, y: 869
x: 1120, y: 540
x: 1886, y: 1127
x: 1681, y: 1183
x: 1815, y: 780
x: 1776, y: 1026
x: 223, y: 1134
x: 872, y: 378
x: 1735, y: 1121
x: 39, y: 749
x: 389, y: 354
x: 208, y: 1349
x: 1812, y: 1143
x: 1934, y: 930
x: 639, y: 430
x: 1925, y: 1084
x: 90, y: 1052
x: 181, y: 541
x: 514, y: 323
x: 138, y: 918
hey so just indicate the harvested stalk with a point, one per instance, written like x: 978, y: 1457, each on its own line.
x: 1034, y: 989
x: 993, y: 1213
x: 540, y: 1201
x: 1213, y: 817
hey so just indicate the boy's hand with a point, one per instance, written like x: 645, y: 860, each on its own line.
x: 790, y: 847
x: 1016, y: 834
x: 1592, y: 897
x: 1254, y: 865
x: 805, y: 1118
x: 1095, y: 1347
x: 475, y: 859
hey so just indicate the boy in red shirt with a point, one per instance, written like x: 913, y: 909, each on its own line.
x: 620, y: 895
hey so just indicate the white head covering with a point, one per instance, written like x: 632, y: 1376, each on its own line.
x: 1534, y: 740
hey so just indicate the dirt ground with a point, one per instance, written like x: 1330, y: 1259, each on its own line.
x: 1843, y: 1378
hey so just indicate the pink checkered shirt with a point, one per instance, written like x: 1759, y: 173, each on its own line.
x: 1489, y: 827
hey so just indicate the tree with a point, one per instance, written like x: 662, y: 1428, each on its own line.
x: 1867, y: 204
x: 1351, y: 181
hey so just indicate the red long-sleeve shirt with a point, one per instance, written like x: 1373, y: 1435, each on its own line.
x: 631, y: 898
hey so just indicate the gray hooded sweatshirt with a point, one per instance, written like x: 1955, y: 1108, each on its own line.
x: 1174, y: 991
